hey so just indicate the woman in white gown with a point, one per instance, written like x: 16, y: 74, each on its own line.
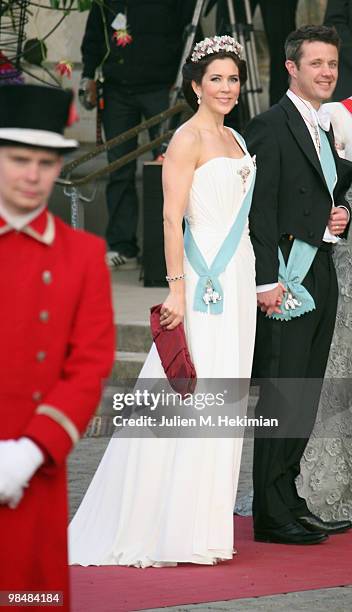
x: 157, y: 501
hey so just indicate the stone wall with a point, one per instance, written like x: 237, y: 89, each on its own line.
x: 311, y: 11
x: 63, y: 44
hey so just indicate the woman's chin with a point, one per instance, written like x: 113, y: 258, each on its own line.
x: 224, y: 109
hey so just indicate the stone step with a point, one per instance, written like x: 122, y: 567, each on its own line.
x: 133, y: 338
x: 128, y: 365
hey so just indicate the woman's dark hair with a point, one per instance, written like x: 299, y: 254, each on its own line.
x: 194, y: 71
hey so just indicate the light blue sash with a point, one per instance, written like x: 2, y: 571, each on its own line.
x: 208, y: 277
x: 298, y: 301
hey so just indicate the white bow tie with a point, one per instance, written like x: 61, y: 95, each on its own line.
x: 322, y: 117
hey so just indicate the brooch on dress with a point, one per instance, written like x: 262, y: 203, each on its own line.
x: 210, y: 296
x: 244, y: 173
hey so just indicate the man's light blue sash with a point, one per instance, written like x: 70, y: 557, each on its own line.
x: 298, y: 301
x: 209, y: 276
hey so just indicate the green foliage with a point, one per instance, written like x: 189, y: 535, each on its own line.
x: 35, y: 51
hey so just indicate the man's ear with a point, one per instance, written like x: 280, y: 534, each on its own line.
x: 291, y: 68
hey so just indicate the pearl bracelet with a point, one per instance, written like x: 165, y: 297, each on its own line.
x: 170, y: 279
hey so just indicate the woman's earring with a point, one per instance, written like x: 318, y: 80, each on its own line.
x: 199, y: 99
x: 236, y: 102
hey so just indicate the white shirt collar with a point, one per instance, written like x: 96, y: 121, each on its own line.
x: 316, y: 118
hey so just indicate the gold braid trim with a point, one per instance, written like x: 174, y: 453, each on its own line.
x: 60, y: 418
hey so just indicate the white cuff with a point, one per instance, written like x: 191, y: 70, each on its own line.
x: 268, y: 287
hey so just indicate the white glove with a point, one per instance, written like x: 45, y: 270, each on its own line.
x: 19, y: 460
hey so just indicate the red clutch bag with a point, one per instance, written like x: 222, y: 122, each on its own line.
x: 172, y: 347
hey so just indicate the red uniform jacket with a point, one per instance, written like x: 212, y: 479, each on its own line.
x: 57, y: 346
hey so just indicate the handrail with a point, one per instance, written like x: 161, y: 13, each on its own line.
x: 71, y: 185
x: 125, y: 159
x: 131, y: 133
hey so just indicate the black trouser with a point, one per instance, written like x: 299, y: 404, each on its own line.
x: 279, y: 18
x: 297, y: 349
x: 124, y: 110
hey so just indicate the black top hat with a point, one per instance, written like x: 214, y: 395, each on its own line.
x: 36, y: 116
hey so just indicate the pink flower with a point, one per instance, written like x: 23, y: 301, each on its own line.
x: 64, y: 68
x: 122, y: 38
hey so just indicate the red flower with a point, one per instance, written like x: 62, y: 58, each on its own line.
x: 5, y: 64
x: 122, y: 38
x: 64, y: 68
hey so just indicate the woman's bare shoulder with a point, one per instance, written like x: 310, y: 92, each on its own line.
x: 186, y: 142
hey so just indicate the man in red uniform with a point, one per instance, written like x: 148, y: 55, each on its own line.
x: 57, y: 340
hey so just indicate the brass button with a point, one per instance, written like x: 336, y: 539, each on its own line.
x: 41, y: 355
x: 37, y: 396
x: 44, y: 316
x: 47, y: 277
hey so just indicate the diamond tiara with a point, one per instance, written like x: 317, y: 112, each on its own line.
x: 215, y: 45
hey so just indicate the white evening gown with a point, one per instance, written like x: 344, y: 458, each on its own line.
x: 155, y: 501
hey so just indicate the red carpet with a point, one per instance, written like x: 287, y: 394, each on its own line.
x: 258, y: 569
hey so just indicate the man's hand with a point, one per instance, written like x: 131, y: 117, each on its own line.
x: 91, y: 89
x: 338, y: 220
x: 270, y: 301
x: 88, y: 93
x: 19, y: 460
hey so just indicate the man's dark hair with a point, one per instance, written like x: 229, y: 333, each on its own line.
x: 309, y: 33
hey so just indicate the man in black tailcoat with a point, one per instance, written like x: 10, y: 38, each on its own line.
x: 292, y: 201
